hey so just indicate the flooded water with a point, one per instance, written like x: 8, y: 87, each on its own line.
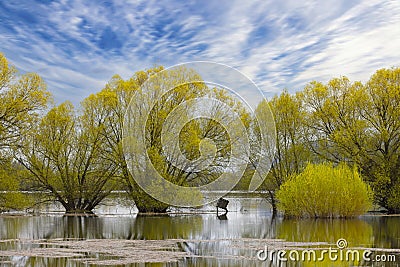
x: 120, y: 237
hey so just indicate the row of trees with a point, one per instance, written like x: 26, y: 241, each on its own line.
x: 342, y: 122
x: 77, y: 157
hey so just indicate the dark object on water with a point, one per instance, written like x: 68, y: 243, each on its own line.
x: 222, y: 204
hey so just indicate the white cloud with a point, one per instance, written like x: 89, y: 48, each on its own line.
x: 278, y: 44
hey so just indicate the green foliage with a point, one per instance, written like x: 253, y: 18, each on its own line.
x: 114, y: 100
x: 393, y: 197
x: 10, y: 196
x: 322, y: 190
x: 64, y: 157
x: 144, y: 202
x: 22, y: 97
x: 339, y: 121
x: 290, y: 154
x: 359, y: 124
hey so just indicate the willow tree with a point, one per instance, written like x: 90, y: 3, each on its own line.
x: 380, y: 110
x: 289, y: 152
x: 12, y: 176
x: 114, y: 100
x: 22, y: 97
x: 335, y: 130
x: 64, y: 154
x: 116, y: 97
x: 359, y: 124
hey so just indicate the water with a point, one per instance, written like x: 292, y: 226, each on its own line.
x: 119, y: 236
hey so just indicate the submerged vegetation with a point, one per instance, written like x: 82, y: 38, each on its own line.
x: 75, y: 154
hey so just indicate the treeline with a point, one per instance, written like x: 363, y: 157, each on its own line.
x: 75, y: 155
x: 342, y: 122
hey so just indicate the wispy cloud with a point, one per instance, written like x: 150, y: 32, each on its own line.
x: 78, y: 45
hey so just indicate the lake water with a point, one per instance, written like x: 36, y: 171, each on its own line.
x: 118, y: 236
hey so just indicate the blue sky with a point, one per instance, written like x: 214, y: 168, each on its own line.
x: 77, y: 46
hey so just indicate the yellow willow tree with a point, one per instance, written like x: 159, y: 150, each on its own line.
x: 335, y: 130
x: 359, y: 124
x: 22, y: 97
x: 64, y: 155
x: 289, y: 153
x: 380, y: 109
x: 12, y: 175
x: 115, y: 98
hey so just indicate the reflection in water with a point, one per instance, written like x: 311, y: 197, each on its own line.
x: 78, y: 227
x: 165, y: 227
x: 222, y: 217
x: 357, y: 232
x: 386, y: 230
x: 231, y: 239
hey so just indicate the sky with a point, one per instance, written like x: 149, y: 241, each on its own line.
x: 77, y: 46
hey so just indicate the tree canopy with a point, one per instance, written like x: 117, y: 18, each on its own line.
x: 22, y: 98
x: 64, y: 156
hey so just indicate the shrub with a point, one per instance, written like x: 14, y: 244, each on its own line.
x: 10, y: 196
x: 393, y: 199
x: 323, y: 190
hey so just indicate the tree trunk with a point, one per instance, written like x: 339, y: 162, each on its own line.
x: 77, y: 208
x: 273, y: 203
x: 79, y: 212
x: 146, y: 204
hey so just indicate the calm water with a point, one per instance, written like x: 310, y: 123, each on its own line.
x: 231, y: 240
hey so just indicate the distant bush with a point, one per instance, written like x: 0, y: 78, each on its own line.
x: 10, y: 196
x: 323, y: 190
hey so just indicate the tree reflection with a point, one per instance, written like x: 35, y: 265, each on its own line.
x: 212, y: 242
x: 357, y: 232
x: 386, y: 231
x: 165, y: 227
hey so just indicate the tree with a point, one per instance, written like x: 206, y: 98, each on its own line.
x: 64, y: 157
x: 289, y: 153
x: 335, y: 130
x: 11, y: 175
x: 192, y: 135
x: 114, y: 100
x: 187, y: 144
x: 22, y: 97
x: 380, y: 109
x: 358, y: 124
